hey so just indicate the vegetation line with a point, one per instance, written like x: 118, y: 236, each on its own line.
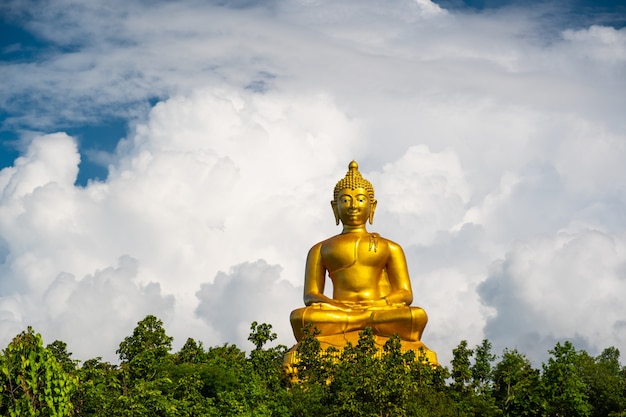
x: 38, y: 380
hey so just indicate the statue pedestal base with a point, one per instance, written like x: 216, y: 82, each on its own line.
x: 338, y: 341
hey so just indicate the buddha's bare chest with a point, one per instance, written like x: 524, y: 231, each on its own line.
x: 350, y: 250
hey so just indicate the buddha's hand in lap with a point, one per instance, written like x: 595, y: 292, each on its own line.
x: 380, y: 304
x: 358, y: 305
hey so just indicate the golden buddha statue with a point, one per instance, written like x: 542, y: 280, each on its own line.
x: 369, y: 274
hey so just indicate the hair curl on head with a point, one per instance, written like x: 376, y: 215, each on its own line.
x: 354, y: 180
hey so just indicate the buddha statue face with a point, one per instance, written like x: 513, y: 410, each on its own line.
x: 353, y: 207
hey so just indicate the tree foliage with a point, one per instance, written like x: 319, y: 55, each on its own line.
x: 148, y: 336
x: 361, y: 380
x: 32, y: 381
x: 564, y: 387
x: 517, y: 386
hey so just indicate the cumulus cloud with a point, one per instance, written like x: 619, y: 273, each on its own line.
x: 192, y: 193
x: 495, y: 148
x: 50, y: 159
x: 37, y: 204
x: 422, y: 192
x: 101, y: 309
x: 562, y: 286
x: 249, y: 292
x: 598, y: 43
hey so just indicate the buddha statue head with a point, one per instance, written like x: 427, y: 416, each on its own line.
x: 353, y: 181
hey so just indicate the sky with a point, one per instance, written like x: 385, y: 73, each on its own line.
x: 177, y: 158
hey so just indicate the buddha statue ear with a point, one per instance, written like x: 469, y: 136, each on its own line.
x: 333, y: 204
x: 372, y: 210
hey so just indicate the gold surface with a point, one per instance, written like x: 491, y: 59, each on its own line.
x: 369, y: 275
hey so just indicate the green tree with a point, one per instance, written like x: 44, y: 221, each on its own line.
x: 481, y: 400
x: 462, y: 377
x: 191, y: 352
x: 308, y: 392
x: 605, y: 383
x: 145, y: 372
x: 190, y: 402
x: 471, y: 380
x: 32, y: 382
x: 367, y: 382
x: 149, y: 335
x: 59, y: 351
x: 261, y: 334
x: 481, y: 368
x: 99, y: 387
x: 313, y: 365
x: 354, y: 380
x: 564, y: 388
x: 461, y: 368
x: 145, y: 354
x: 268, y: 365
x: 267, y: 362
x: 517, y: 386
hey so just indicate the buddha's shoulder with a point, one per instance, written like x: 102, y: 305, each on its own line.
x: 344, y: 238
x: 393, y: 246
x: 391, y: 243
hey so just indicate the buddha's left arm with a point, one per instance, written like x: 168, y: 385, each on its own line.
x: 399, y: 279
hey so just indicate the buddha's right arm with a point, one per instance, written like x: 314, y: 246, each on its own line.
x: 314, y: 277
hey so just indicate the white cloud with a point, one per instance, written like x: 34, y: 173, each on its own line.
x: 563, y: 286
x: 249, y: 292
x: 51, y: 159
x: 101, y: 309
x: 421, y: 194
x: 599, y: 43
